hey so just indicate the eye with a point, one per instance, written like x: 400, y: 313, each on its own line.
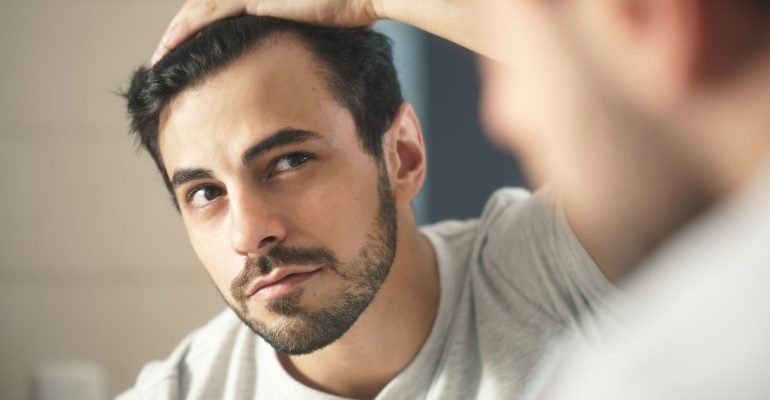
x: 203, y: 195
x: 289, y: 161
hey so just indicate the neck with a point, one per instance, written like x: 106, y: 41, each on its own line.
x: 386, y: 336
x: 704, y: 152
x: 641, y: 207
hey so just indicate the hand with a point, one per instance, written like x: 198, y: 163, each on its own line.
x: 197, y: 14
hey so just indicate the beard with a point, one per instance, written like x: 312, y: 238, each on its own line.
x: 301, y: 331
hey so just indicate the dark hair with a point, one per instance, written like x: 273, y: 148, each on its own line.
x: 357, y: 64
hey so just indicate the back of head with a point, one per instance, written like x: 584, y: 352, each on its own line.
x: 356, y: 63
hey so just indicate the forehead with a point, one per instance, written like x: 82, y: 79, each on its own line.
x: 274, y: 86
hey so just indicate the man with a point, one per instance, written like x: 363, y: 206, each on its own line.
x: 293, y: 160
x: 650, y: 117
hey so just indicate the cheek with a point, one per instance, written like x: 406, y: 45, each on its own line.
x: 215, y: 253
x: 496, y: 105
x: 336, y: 212
x: 519, y: 112
x: 537, y: 104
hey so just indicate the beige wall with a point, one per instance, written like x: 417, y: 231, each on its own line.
x: 94, y: 264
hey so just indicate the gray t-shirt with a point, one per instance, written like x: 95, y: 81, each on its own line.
x: 694, y: 322
x: 510, y: 282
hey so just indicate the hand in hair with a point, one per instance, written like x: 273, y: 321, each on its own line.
x: 197, y: 14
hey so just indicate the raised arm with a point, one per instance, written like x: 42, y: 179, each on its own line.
x: 475, y: 24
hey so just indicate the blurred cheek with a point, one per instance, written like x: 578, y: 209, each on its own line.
x: 515, y: 116
x: 497, y: 104
x: 220, y: 262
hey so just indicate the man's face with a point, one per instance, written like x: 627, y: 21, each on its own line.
x: 293, y: 221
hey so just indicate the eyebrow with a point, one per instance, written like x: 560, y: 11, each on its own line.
x: 283, y: 137
x: 184, y: 175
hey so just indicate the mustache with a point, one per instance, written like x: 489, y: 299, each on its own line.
x: 277, y: 257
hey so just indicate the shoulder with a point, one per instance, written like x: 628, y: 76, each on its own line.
x: 518, y: 223
x: 460, y: 234
x: 528, y: 250
x: 511, y: 208
x: 201, y: 354
x: 505, y: 199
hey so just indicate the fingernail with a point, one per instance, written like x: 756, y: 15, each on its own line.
x: 167, y: 38
x: 155, y: 57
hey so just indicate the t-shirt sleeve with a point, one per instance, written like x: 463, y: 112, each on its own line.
x: 533, y: 255
x: 128, y: 395
x: 204, y: 365
x: 159, y: 380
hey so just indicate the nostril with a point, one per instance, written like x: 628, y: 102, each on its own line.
x: 268, y: 241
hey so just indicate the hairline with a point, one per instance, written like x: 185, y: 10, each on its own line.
x: 324, y: 72
x: 320, y: 67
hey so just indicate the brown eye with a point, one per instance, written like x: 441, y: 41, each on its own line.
x: 202, y: 196
x: 290, y: 161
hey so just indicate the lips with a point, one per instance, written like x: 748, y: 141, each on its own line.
x: 278, y: 276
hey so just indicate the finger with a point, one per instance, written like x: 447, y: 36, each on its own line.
x: 182, y: 13
x: 194, y: 16
x: 161, y: 49
x: 200, y: 14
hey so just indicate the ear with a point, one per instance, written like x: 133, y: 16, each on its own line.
x: 668, y: 37
x: 649, y: 48
x: 404, y: 150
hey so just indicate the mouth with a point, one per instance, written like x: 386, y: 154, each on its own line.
x: 279, y: 282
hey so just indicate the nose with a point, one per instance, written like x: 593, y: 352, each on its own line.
x: 255, y: 226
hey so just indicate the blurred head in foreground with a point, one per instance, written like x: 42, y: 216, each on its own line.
x: 642, y: 112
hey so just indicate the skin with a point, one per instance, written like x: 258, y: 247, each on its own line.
x: 329, y: 201
x: 624, y: 105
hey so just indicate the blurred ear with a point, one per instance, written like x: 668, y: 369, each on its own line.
x: 649, y: 48
x: 658, y: 52
x: 666, y: 34
x: 404, y: 150
x: 689, y: 44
